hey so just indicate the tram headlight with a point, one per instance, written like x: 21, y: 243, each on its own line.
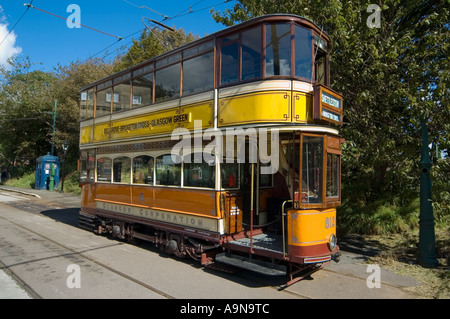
x: 332, y: 242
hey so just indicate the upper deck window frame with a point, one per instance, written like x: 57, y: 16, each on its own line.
x: 312, y: 42
x: 214, y: 43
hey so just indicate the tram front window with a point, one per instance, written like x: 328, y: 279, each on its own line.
x: 312, y: 168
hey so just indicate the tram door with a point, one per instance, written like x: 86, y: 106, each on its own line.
x: 249, y: 185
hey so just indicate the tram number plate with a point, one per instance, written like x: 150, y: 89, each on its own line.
x: 330, y: 222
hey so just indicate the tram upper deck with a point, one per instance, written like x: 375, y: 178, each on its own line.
x: 272, y: 70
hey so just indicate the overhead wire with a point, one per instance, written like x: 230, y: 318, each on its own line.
x: 66, y: 19
x: 165, y: 18
x: 16, y: 24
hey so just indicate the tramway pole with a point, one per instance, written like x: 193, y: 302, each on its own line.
x: 427, y: 244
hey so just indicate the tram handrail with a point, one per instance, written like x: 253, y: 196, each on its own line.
x: 282, y: 225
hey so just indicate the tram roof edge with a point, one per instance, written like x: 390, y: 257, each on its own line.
x: 268, y: 17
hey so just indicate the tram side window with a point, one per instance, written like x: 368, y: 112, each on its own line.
x: 229, y: 175
x: 320, y: 67
x: 312, y: 168
x: 90, y: 103
x: 143, y: 170
x: 143, y: 90
x: 333, y: 164
x: 251, y: 54
x: 104, y: 169
x: 278, y: 49
x: 103, y: 102
x: 122, y: 169
x: 168, y: 172
x: 265, y: 180
x: 303, y: 58
x: 91, y: 165
x: 229, y: 62
x: 121, y: 97
x: 83, y: 105
x: 167, y: 83
x: 198, y: 74
x: 83, y: 167
x: 198, y: 174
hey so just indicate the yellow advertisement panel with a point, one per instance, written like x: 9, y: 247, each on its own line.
x: 200, y: 112
x: 155, y: 123
x: 274, y: 106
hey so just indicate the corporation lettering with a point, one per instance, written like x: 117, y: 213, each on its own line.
x: 157, y: 215
x: 171, y: 218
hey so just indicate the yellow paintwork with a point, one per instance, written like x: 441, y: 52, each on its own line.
x: 278, y: 106
x: 310, y: 227
x: 154, y: 123
x: 302, y: 107
x: 271, y: 106
x: 85, y: 135
x: 203, y: 111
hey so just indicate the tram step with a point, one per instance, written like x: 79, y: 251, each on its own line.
x: 258, y: 266
x: 86, y: 222
x: 230, y: 269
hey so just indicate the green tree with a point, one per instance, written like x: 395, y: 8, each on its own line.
x: 390, y: 76
x: 66, y: 90
x: 26, y: 128
x: 151, y: 43
x: 27, y: 101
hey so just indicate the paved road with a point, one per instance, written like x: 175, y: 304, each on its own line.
x: 43, y: 254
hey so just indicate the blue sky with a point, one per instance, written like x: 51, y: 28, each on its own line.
x: 48, y: 40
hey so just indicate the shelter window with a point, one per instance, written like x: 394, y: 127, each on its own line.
x: 121, y: 97
x: 167, y: 83
x: 278, y: 49
x: 143, y: 168
x: 251, y: 54
x: 143, y: 90
x: 198, y: 174
x: 303, y: 53
x: 104, y: 169
x: 168, y: 172
x: 312, y: 165
x: 198, y: 74
x: 122, y: 169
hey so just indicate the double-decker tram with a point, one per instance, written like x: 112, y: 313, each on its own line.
x: 226, y: 150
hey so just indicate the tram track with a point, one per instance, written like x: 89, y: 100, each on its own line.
x: 72, y: 251
x: 31, y: 208
x: 35, y: 208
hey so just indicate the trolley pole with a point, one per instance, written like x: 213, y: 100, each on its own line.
x: 427, y: 244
